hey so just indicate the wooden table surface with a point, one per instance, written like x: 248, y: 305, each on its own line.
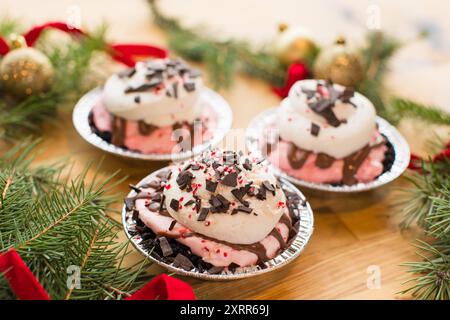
x: 353, y: 234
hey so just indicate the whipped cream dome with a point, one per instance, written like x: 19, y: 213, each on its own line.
x: 204, y: 180
x: 355, y: 119
x: 160, y: 92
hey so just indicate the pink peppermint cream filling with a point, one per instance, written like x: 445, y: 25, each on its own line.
x: 162, y: 139
x: 216, y: 253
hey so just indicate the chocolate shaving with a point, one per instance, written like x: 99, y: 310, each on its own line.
x: 134, y: 188
x: 203, y: 214
x: 184, y: 179
x: 128, y: 73
x: 183, y: 262
x: 266, y: 184
x: 137, y: 99
x: 189, y: 86
x: 211, y: 186
x: 142, y: 88
x: 189, y: 202
x: 315, y: 129
x: 242, y: 209
x: 165, y: 246
x: 174, y: 204
x: 175, y: 89
x: 247, y: 165
x: 230, y: 180
x: 161, y: 204
x: 172, y: 225
x: 261, y: 195
x: 165, y: 175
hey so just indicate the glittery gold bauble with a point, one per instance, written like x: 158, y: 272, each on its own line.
x: 25, y: 71
x: 339, y: 64
x: 293, y: 44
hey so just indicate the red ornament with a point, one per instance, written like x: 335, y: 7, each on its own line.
x: 296, y: 72
x: 415, y: 162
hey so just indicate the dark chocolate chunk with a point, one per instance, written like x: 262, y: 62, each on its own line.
x: 244, y: 209
x: 175, y: 89
x: 129, y: 203
x: 184, y: 179
x: 189, y: 86
x: 223, y: 200
x: 230, y: 179
x: 203, y: 214
x: 269, y: 186
x: 174, y: 204
x: 215, y: 270
x: 315, y: 129
x: 134, y: 188
x: 165, y: 175
x: 211, y: 186
x: 189, y: 202
x: 141, y: 88
x: 161, y: 204
x: 183, y: 262
x: 261, y: 195
x: 137, y: 99
x: 165, y: 246
x: 247, y: 165
x: 172, y: 225
x: 156, y: 197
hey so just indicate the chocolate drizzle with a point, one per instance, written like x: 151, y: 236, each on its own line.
x: 296, y: 156
x: 119, y: 126
x: 324, y: 161
x: 145, y: 128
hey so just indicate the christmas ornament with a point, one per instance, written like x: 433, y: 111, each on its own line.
x: 293, y: 45
x: 25, y: 71
x: 339, y: 64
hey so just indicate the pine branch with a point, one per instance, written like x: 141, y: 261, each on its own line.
x: 376, y: 56
x: 427, y: 203
x: 8, y: 25
x: 432, y: 279
x: 223, y: 58
x: 64, y: 224
x: 410, y: 109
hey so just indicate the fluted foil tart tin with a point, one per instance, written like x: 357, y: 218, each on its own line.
x: 288, y: 255
x: 258, y: 129
x: 208, y: 97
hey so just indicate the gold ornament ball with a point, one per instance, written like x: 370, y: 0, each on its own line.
x: 339, y: 64
x: 26, y: 71
x: 293, y: 44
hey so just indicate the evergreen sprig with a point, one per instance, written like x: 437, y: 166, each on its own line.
x: 376, y: 55
x: 405, y: 108
x: 427, y: 203
x: 55, y: 222
x: 71, y: 64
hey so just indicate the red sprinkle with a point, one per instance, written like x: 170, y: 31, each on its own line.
x: 225, y: 254
x: 167, y: 186
x: 206, y: 249
x: 280, y: 204
x: 217, y: 250
x: 207, y: 223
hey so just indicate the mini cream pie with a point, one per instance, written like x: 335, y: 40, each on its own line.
x: 153, y: 108
x: 219, y: 210
x: 327, y: 134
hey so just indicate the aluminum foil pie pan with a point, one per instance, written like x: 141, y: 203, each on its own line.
x: 258, y: 130
x: 298, y: 243
x: 208, y: 97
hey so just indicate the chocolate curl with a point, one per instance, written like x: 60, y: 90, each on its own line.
x: 296, y: 72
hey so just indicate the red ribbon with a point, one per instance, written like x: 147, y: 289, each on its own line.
x: 415, y: 163
x: 27, y: 287
x: 296, y: 72
x: 123, y: 53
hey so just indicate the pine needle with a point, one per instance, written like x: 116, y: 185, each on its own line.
x: 64, y: 224
x: 409, y: 109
